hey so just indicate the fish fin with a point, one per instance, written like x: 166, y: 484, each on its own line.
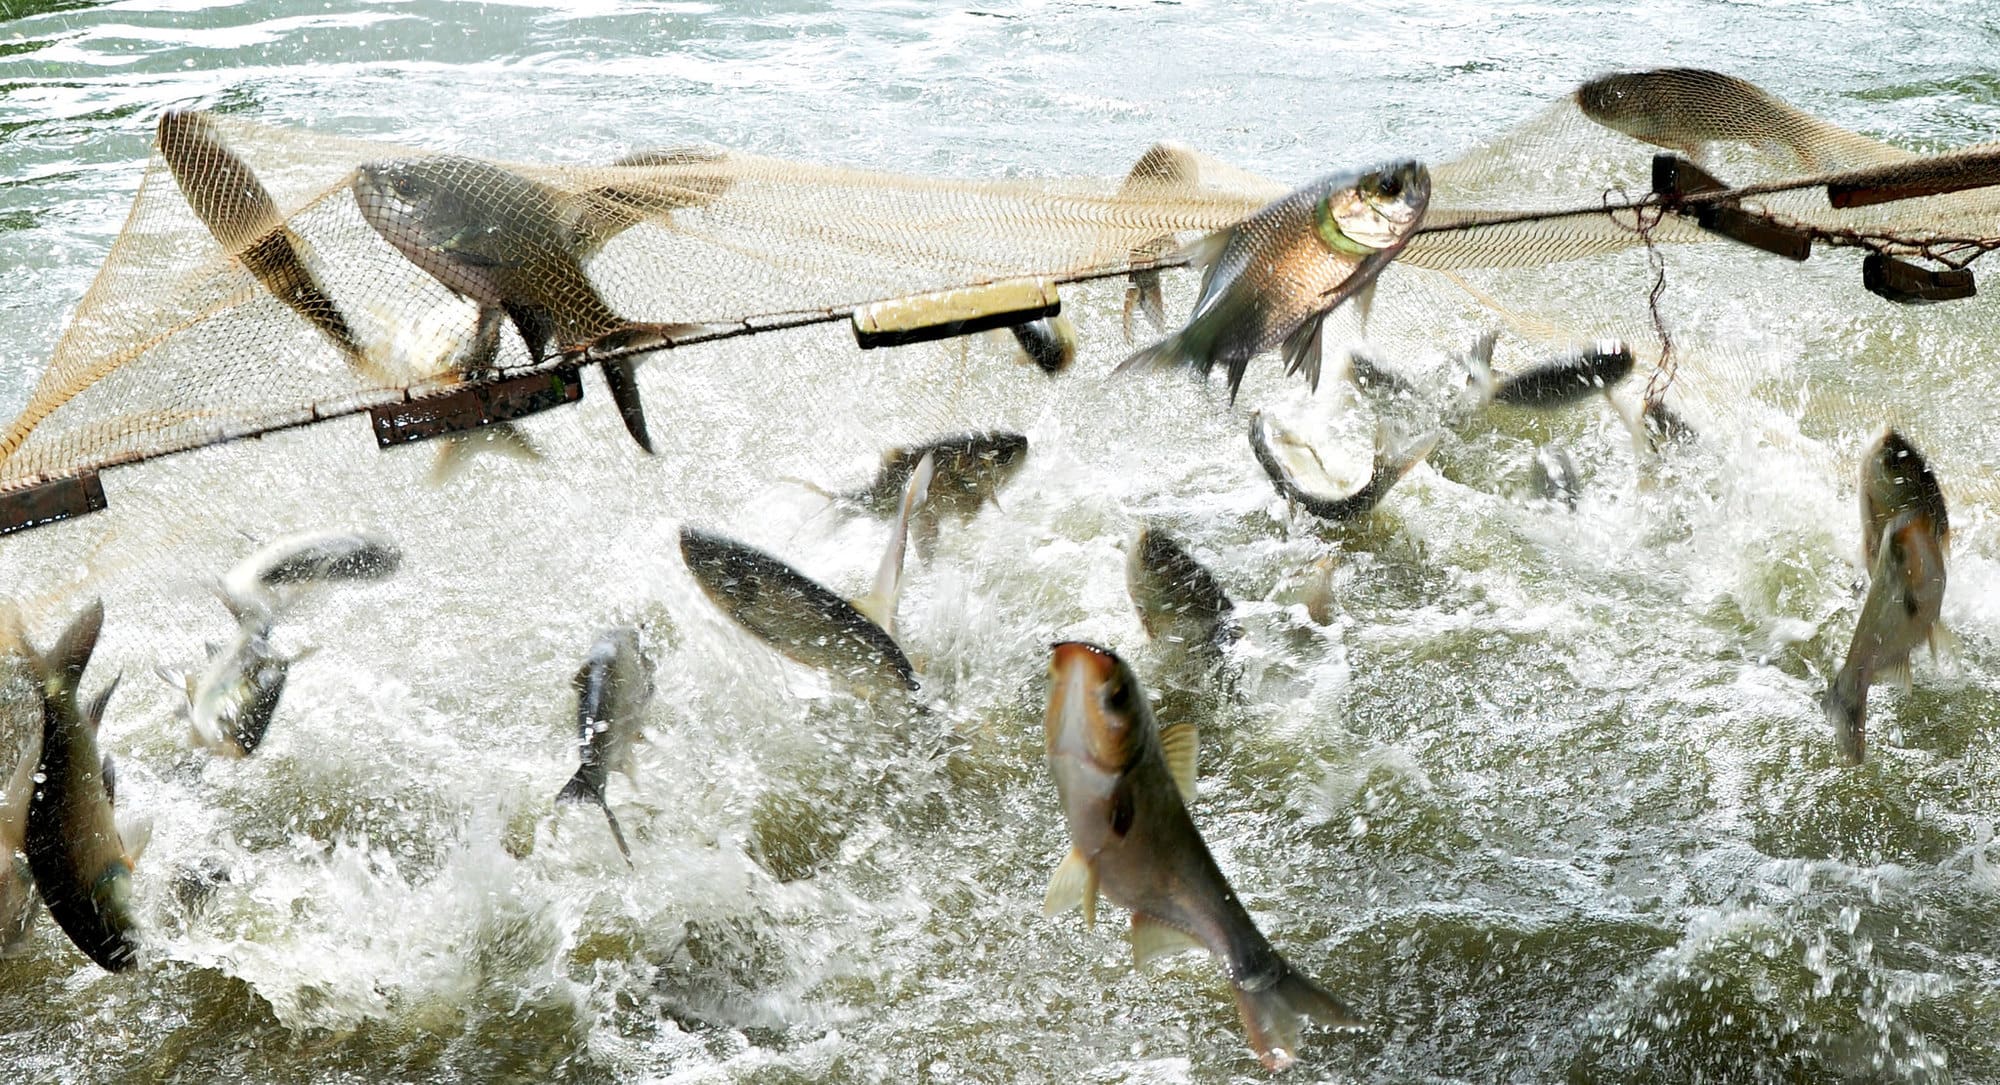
x: 1301, y: 349
x: 1364, y: 301
x: 879, y: 605
x: 1479, y: 364
x: 534, y: 324
x: 1943, y: 641
x: 622, y: 376
x: 107, y: 771
x: 180, y: 680
x: 1177, y: 744
x: 1125, y: 315
x: 579, y: 790
x: 1893, y: 672
x: 93, y: 713
x: 1152, y: 939
x: 134, y: 833
x: 1074, y: 885
x: 456, y: 451
x: 1846, y: 705
x: 71, y: 653
x: 1397, y: 453
x: 1169, y: 353
x: 1271, y: 1015
x: 1203, y: 254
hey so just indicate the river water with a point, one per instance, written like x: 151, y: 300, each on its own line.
x: 1546, y: 795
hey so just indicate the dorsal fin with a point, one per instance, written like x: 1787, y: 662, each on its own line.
x: 93, y: 713
x: 1177, y: 745
x: 879, y: 605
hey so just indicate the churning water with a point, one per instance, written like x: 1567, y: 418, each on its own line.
x: 1547, y: 795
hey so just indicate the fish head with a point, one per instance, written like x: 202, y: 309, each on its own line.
x: 1097, y: 709
x: 1611, y: 97
x: 1895, y: 477
x: 433, y: 212
x: 1377, y: 212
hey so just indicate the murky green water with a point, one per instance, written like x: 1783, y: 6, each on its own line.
x: 1547, y: 796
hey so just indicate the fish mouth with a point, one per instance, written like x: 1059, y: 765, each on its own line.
x: 1074, y: 660
x: 1379, y: 213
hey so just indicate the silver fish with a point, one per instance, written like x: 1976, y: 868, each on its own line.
x: 1179, y: 601
x: 80, y: 862
x: 230, y: 703
x: 807, y: 622
x: 1553, y: 384
x: 1273, y: 277
x: 21, y: 729
x: 1167, y: 168
x: 970, y: 470
x: 507, y: 242
x: 240, y: 212
x: 1684, y: 109
x: 1907, y: 538
x: 311, y: 557
x: 613, y: 688
x: 1283, y: 456
x: 1124, y: 783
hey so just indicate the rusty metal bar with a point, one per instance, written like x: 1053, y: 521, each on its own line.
x: 474, y: 406
x: 47, y: 502
x: 1754, y: 230
x: 1913, y: 284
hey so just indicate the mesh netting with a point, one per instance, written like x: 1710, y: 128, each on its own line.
x: 270, y: 278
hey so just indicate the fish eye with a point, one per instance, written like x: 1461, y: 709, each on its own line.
x: 1118, y: 697
x: 1389, y: 185
x: 405, y: 186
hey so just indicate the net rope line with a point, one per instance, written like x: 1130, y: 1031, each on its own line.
x: 1647, y: 213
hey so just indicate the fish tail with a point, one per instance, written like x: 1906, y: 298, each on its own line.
x: 1846, y: 705
x: 1172, y: 352
x: 621, y: 374
x: 580, y: 789
x: 1271, y: 1015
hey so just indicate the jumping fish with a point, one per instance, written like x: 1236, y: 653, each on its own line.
x: 1684, y: 109
x: 1124, y: 783
x: 1274, y: 277
x: 311, y: 557
x: 1551, y: 385
x: 805, y: 621
x: 1906, y: 536
x: 613, y: 688
x: 515, y: 244
x: 1049, y: 343
x: 21, y: 723
x: 1179, y: 601
x: 230, y: 703
x: 1283, y: 455
x: 81, y: 864
x: 970, y: 469
x: 240, y: 212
